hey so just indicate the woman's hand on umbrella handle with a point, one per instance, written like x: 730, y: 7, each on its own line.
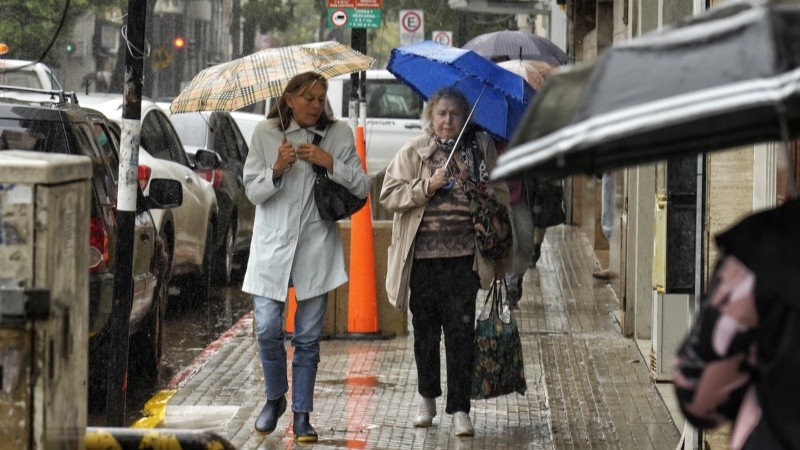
x: 437, y: 180
x: 286, y: 157
x: 315, y: 155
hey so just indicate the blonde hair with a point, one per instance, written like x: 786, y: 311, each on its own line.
x: 445, y: 93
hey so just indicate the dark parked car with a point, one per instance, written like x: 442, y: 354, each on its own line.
x: 217, y: 131
x: 34, y: 122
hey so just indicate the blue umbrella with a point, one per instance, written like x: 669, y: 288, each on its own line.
x: 501, y: 96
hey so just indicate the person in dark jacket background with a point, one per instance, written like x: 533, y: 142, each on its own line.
x: 741, y: 360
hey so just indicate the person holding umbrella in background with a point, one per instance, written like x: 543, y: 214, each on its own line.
x: 530, y: 215
x: 433, y: 264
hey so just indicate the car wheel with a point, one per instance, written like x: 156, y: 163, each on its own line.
x: 223, y: 259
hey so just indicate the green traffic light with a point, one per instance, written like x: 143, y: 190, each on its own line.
x: 70, y: 47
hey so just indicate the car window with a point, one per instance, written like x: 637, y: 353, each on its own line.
x: 159, y: 139
x: 231, y: 149
x: 219, y: 141
x: 241, y: 144
x: 54, y: 83
x: 108, y: 147
x: 387, y: 99
x: 33, y: 135
x: 21, y: 78
x: 104, y: 183
x: 171, y: 139
x: 151, y: 140
x: 191, y: 127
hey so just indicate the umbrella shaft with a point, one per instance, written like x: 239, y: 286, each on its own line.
x: 464, y: 127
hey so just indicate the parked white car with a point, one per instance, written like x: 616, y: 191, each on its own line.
x: 27, y: 74
x: 189, y: 230
x: 393, y: 114
x: 247, y: 123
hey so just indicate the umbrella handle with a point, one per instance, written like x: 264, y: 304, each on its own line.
x: 461, y: 133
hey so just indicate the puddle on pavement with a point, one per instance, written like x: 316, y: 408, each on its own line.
x: 198, y: 417
x: 365, y: 381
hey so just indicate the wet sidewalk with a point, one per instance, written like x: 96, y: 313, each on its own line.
x: 588, y: 387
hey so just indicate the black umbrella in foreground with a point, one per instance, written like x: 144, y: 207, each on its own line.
x: 725, y: 78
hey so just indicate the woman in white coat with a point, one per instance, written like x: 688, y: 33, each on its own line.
x: 292, y: 245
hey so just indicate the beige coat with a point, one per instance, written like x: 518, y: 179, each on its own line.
x: 403, y: 193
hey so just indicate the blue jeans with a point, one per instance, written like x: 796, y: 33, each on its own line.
x: 305, y: 340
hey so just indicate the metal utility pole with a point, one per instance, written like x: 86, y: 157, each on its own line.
x: 133, y: 39
x: 358, y: 39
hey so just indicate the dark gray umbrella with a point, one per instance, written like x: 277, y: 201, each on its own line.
x: 509, y: 44
x: 725, y: 78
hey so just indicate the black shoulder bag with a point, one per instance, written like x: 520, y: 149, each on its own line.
x: 334, y: 201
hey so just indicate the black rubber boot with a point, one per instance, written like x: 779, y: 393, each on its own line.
x: 303, y: 431
x: 267, y: 420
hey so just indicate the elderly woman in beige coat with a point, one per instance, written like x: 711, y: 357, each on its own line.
x: 433, y: 266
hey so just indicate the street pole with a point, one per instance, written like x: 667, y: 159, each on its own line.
x: 117, y: 384
x: 358, y: 39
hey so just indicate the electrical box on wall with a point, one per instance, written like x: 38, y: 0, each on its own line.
x: 44, y: 254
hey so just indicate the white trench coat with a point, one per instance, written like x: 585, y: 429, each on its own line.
x: 290, y: 240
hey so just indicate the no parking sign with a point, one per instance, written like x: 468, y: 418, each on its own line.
x: 443, y: 37
x: 412, y: 26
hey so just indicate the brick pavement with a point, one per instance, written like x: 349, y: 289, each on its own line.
x: 588, y: 387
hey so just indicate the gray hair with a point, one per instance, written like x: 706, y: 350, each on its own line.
x: 433, y: 100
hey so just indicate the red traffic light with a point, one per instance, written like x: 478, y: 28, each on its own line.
x: 179, y: 43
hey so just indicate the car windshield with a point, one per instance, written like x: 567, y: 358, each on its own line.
x: 20, y: 78
x: 388, y: 99
x: 34, y: 135
x: 191, y: 128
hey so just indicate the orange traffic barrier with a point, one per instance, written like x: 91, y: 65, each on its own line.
x: 291, y: 303
x: 362, y: 309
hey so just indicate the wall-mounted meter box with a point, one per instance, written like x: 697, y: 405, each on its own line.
x: 44, y: 289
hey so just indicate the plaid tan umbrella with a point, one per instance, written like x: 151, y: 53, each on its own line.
x: 264, y: 74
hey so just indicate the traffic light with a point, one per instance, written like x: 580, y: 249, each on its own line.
x: 178, y: 43
x: 70, y: 48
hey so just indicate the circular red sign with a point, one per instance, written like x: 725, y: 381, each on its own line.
x: 411, y: 21
x: 339, y: 18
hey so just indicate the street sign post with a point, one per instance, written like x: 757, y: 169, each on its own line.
x: 412, y: 26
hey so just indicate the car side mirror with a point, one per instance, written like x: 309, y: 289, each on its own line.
x: 207, y: 160
x: 164, y: 194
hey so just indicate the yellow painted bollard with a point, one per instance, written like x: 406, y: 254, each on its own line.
x: 161, y: 439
